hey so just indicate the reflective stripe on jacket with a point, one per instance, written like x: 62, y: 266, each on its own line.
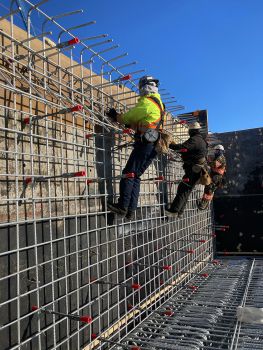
x: 145, y: 115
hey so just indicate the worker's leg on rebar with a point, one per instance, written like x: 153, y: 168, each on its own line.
x: 150, y: 154
x: 140, y: 159
x: 184, y: 191
x: 207, y: 197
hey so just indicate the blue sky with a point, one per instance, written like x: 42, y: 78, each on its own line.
x: 207, y: 53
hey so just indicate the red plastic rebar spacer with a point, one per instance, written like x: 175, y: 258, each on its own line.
x: 136, y: 286
x: 202, y: 241
x: 186, y: 179
x: 190, y: 251
x: 128, y: 176
x: 26, y: 120
x: 161, y: 282
x: 90, y: 181
x: 196, y: 113
x: 93, y: 336
x: 204, y: 275
x: 182, y: 122
x: 135, y: 348
x: 80, y: 173
x: 167, y: 267
x: 28, y: 180
x: 183, y: 150
x: 127, y: 131
x: 87, y: 136
x: 34, y: 308
x: 86, y: 319
x: 76, y: 108
x: 126, y: 77
x: 159, y: 178
x: 168, y: 313
x: 192, y: 287
x: 73, y: 41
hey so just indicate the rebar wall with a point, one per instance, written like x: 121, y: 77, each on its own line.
x: 71, y: 271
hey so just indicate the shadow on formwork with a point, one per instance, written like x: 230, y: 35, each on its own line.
x: 72, y: 276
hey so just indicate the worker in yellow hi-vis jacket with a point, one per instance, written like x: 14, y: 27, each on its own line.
x: 146, y: 119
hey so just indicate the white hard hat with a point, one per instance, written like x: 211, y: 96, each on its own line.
x: 194, y: 126
x: 148, y: 79
x: 219, y: 147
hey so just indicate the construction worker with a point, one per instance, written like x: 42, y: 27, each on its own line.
x: 193, y: 161
x: 217, y: 170
x: 146, y: 119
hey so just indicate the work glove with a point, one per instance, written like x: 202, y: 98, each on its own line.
x: 112, y: 114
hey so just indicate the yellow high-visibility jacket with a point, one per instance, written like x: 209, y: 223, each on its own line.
x: 145, y: 115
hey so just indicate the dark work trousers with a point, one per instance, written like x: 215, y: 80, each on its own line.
x: 184, y: 190
x: 140, y: 159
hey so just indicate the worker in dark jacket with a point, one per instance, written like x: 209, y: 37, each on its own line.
x: 145, y: 118
x: 217, y: 170
x: 193, y: 160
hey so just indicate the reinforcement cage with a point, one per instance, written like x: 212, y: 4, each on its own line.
x: 72, y: 275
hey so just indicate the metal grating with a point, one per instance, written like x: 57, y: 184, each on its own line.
x: 69, y: 269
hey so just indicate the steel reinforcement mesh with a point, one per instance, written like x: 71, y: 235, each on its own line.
x: 204, y: 314
x: 72, y: 275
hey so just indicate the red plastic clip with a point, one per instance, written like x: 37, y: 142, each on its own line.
x: 73, y: 41
x: 204, y: 275
x: 190, y: 251
x: 34, y: 308
x: 126, y: 77
x: 128, y: 176
x: 159, y: 178
x: 136, y: 286
x: 26, y: 120
x: 192, y: 287
x: 168, y: 313
x: 76, y: 108
x: 86, y: 319
x: 202, y: 241
x: 80, y: 173
x: 90, y: 181
x: 88, y: 136
x: 186, y: 179
x: 167, y: 267
x: 183, y: 150
x: 28, y: 180
x: 182, y: 122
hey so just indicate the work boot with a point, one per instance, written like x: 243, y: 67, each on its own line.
x: 180, y: 215
x: 171, y: 214
x: 130, y: 214
x: 116, y: 209
x: 202, y: 204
